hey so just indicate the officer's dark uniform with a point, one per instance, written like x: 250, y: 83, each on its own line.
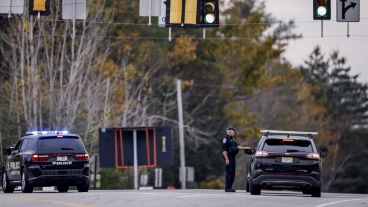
x: 231, y: 147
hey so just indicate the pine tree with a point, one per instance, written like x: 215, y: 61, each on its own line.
x: 346, y: 102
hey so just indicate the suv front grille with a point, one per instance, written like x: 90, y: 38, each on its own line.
x: 62, y: 172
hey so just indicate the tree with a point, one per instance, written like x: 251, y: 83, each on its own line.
x: 345, y: 100
x: 123, y: 74
x: 53, y: 80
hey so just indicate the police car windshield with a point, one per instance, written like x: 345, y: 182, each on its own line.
x: 287, y: 145
x: 60, y: 144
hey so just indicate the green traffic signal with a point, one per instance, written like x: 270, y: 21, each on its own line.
x: 209, y: 18
x: 322, y: 9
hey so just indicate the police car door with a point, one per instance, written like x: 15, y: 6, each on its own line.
x: 14, y: 162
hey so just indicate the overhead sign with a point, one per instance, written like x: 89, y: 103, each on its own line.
x: 80, y: 11
x: 11, y: 6
x: 149, y: 8
x: 162, y: 17
x: 154, y: 147
x: 348, y: 10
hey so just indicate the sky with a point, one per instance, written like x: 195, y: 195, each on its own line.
x: 355, y: 48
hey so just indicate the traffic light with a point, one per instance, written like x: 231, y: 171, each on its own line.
x: 322, y: 9
x: 182, y: 13
x: 210, y: 15
x: 39, y: 7
x: 174, y: 12
x: 192, y: 13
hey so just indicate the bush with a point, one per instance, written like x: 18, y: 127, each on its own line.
x: 212, y: 182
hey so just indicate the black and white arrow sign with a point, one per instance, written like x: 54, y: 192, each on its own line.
x: 348, y: 10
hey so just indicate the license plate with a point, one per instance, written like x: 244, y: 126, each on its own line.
x: 62, y: 163
x: 61, y: 159
x: 287, y: 160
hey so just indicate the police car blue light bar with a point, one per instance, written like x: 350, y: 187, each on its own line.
x: 295, y: 133
x: 46, y: 132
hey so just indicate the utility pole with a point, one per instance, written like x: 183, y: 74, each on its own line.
x: 181, y: 136
x: 73, y: 32
x: 1, y: 144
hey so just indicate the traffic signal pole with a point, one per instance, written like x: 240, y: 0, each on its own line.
x: 322, y: 28
x: 183, y: 13
x: 170, y: 34
x: 149, y: 12
x: 348, y: 29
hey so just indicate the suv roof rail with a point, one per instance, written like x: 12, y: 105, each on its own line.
x: 296, y: 133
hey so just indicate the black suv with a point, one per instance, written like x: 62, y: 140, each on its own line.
x: 46, y: 159
x: 285, y: 160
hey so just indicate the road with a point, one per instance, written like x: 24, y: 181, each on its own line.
x: 178, y: 198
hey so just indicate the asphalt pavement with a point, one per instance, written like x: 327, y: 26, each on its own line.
x: 178, y: 198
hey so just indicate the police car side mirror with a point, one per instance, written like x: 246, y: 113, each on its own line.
x: 250, y: 151
x: 323, y: 152
x: 8, y: 151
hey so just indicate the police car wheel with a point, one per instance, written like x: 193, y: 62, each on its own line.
x: 7, y: 188
x: 26, y: 187
x: 316, y: 192
x: 83, y: 187
x: 62, y: 188
x: 254, y: 189
x: 306, y: 191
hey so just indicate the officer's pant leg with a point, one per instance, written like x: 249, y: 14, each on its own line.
x: 228, y: 174
x: 232, y: 171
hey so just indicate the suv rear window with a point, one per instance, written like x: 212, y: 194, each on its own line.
x: 64, y: 144
x: 282, y: 146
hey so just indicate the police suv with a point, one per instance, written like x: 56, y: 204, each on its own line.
x: 285, y: 160
x: 46, y: 158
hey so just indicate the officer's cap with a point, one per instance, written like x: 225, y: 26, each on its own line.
x: 231, y: 128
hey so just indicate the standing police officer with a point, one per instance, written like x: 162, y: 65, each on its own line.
x: 229, y: 150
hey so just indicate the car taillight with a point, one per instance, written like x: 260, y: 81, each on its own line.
x: 313, y: 156
x: 40, y: 158
x: 82, y: 157
x: 261, y: 154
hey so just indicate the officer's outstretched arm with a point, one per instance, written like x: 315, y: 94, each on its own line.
x: 243, y: 148
x: 226, y: 157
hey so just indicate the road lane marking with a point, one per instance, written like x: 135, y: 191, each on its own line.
x: 336, y: 202
x: 198, y: 195
x: 54, y: 202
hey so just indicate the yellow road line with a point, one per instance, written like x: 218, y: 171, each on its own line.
x: 48, y: 201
